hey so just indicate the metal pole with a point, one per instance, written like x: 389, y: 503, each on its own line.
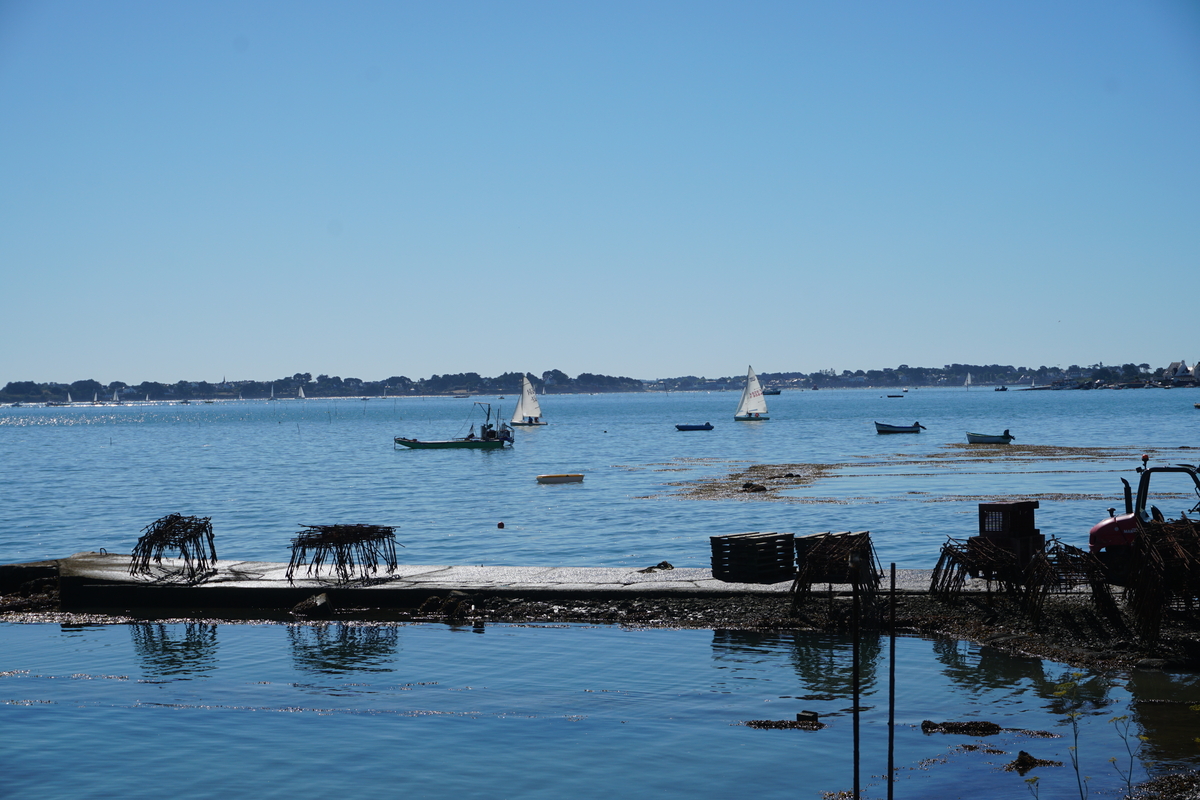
x: 891, y: 767
x: 855, y: 657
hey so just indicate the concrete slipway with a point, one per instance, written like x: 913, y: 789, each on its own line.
x: 101, y: 582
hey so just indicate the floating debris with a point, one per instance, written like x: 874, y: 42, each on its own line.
x: 1025, y: 762
x: 970, y: 728
x: 783, y: 724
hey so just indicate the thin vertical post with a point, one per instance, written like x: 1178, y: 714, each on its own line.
x: 856, y: 686
x: 891, y: 767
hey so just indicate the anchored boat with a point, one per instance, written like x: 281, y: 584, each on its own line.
x: 883, y: 427
x: 489, y: 438
x: 983, y: 438
x: 569, y: 477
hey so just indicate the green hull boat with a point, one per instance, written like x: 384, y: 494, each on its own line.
x: 490, y: 437
x: 468, y: 444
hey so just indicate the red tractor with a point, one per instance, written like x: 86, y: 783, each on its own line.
x: 1111, y: 539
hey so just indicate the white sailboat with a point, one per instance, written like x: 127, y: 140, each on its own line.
x: 968, y: 382
x: 272, y: 397
x: 753, y: 406
x: 68, y: 398
x: 301, y: 395
x: 529, y: 411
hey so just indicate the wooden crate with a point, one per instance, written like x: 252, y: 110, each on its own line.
x: 755, y: 557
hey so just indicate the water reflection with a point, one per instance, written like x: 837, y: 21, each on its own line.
x: 177, y: 649
x: 338, y: 648
x: 1163, y: 705
x: 984, y: 669
x: 823, y: 662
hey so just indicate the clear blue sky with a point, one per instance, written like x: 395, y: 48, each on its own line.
x: 198, y: 190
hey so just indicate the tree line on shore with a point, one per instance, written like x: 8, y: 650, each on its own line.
x: 466, y: 383
x: 557, y: 382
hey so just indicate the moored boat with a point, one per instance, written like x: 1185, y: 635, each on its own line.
x: 569, y: 477
x: 489, y: 438
x: 752, y: 407
x: 883, y: 427
x: 705, y: 427
x: 984, y: 438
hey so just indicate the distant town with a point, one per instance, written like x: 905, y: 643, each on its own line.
x: 303, y: 384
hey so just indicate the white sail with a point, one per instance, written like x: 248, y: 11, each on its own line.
x: 753, y: 404
x: 301, y: 395
x: 68, y: 397
x: 968, y: 383
x: 528, y: 407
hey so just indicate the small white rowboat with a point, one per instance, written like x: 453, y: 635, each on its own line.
x: 571, y: 477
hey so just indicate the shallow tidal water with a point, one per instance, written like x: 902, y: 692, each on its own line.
x: 207, y: 710
x: 212, y: 709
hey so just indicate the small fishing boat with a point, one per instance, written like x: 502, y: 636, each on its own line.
x: 984, y: 438
x: 883, y: 427
x: 705, y: 427
x: 570, y: 477
x: 772, y: 391
x: 752, y: 407
x: 529, y: 411
x: 489, y: 438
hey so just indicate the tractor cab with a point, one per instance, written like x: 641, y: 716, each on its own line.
x: 1111, y: 538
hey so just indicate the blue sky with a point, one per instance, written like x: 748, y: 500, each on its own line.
x: 251, y: 189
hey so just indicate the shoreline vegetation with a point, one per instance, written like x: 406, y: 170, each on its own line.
x: 554, y: 381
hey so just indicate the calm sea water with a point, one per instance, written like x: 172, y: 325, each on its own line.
x: 201, y: 710
x: 208, y: 710
x: 83, y: 478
